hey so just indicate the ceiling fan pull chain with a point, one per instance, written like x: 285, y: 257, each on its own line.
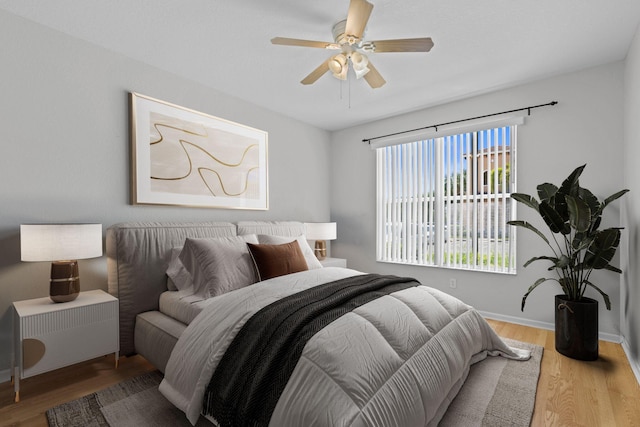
x: 349, y: 80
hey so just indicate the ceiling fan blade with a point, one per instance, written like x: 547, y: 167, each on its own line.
x: 373, y: 77
x: 305, y: 43
x: 357, y: 18
x: 317, y: 73
x: 402, y: 45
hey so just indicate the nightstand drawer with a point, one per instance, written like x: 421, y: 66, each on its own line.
x: 54, y: 340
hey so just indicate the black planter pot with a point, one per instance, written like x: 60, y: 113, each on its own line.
x: 577, y: 328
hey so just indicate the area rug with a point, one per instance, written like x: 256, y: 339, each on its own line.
x: 498, y: 392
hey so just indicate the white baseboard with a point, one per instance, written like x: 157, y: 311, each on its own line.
x: 544, y: 325
x: 5, y: 375
x: 635, y: 365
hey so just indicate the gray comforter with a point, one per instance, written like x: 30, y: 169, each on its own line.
x: 396, y: 361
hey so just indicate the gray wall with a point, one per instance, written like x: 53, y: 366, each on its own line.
x: 585, y: 127
x: 65, y: 151
x: 631, y: 213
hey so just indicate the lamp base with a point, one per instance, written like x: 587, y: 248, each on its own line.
x: 65, y: 281
x: 321, y: 249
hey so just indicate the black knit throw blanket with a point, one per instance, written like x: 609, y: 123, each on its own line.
x: 253, y: 372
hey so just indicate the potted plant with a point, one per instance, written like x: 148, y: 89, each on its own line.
x: 578, y: 246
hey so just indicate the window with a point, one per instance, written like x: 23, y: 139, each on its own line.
x: 445, y: 201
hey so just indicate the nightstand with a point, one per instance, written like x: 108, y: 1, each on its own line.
x: 50, y: 335
x: 334, y: 262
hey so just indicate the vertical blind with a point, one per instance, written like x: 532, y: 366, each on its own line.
x: 445, y: 201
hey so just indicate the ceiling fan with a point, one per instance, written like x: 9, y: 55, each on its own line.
x: 348, y: 38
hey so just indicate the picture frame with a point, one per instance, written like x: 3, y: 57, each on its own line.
x: 182, y: 157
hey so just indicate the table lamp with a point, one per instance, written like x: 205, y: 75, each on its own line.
x: 320, y: 232
x: 63, y: 245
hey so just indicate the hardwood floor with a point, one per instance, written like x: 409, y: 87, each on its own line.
x: 39, y: 393
x: 570, y: 392
x: 603, y: 393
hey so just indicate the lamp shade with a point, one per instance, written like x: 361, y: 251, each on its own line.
x: 320, y: 230
x: 56, y: 242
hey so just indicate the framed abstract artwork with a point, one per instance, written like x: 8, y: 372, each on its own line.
x: 187, y: 158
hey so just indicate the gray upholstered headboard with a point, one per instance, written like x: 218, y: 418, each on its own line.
x: 137, y: 260
x: 271, y: 228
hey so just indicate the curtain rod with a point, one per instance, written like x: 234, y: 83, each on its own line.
x: 368, y: 140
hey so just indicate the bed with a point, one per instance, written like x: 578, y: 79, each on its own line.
x: 291, y: 345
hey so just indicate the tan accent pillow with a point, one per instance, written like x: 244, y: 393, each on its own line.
x: 277, y: 260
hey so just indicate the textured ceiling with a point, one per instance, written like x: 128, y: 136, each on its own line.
x: 479, y: 46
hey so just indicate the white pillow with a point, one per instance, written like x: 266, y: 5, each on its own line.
x: 307, y: 252
x: 219, y: 265
x: 179, y: 278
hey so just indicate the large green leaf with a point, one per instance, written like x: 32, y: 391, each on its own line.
x: 547, y: 192
x: 554, y: 260
x: 594, y: 204
x: 560, y: 205
x: 605, y: 297
x: 589, y: 198
x: 603, y: 248
x: 614, y: 269
x: 554, y: 221
x: 581, y: 241
x: 614, y: 197
x: 526, y: 199
x: 609, y: 237
x: 528, y: 226
x: 531, y: 288
x: 599, y: 258
x: 571, y: 184
x: 579, y: 213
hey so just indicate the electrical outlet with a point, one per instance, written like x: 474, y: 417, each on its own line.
x: 453, y: 283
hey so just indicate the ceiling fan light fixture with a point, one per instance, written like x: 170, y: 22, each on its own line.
x: 359, y: 61
x: 342, y: 75
x: 335, y: 66
x: 338, y: 66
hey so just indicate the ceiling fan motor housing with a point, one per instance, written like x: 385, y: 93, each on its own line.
x: 341, y: 37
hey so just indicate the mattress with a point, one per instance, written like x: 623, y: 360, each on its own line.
x: 181, y: 305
